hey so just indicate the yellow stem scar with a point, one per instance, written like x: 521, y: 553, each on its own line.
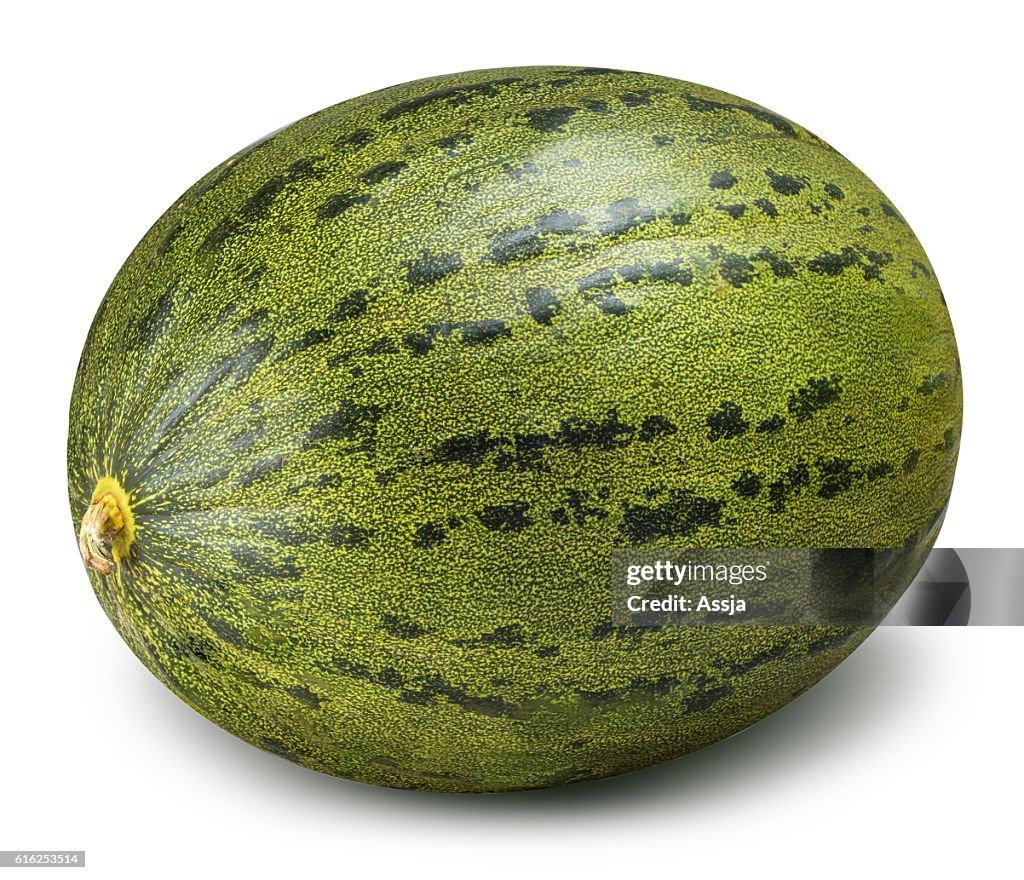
x: 108, y: 527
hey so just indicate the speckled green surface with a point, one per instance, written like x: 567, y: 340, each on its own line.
x: 387, y: 387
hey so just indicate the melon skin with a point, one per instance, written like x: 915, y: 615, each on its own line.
x: 386, y: 389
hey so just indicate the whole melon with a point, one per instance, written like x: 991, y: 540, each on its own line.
x: 363, y: 417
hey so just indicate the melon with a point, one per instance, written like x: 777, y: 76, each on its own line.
x: 363, y: 419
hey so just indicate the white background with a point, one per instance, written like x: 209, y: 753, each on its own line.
x: 907, y: 758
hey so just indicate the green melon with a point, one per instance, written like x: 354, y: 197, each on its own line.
x: 362, y: 419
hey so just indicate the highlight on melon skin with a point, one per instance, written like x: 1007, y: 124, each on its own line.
x: 364, y: 418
